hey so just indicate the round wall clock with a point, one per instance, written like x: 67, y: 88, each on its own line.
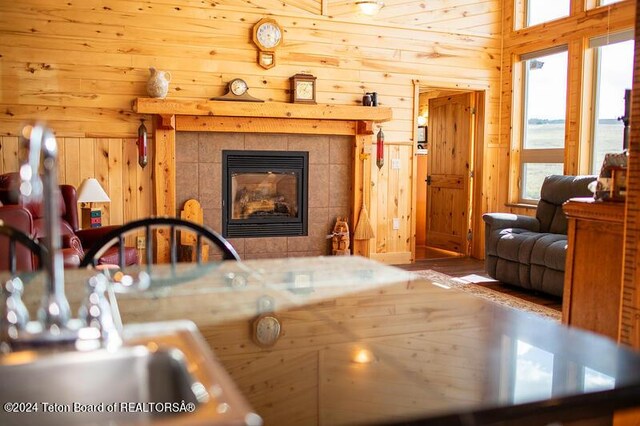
x: 266, y: 330
x: 267, y: 35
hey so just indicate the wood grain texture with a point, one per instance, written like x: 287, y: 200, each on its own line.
x: 451, y: 146
x: 630, y: 312
x: 593, y: 275
x: 261, y: 109
x: 79, y: 65
x: 114, y: 162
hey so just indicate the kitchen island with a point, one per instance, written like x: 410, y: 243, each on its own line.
x: 346, y: 340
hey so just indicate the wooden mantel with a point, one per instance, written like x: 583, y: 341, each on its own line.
x: 173, y: 115
x: 261, y: 109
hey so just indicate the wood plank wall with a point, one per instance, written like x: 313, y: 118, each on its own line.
x: 78, y: 65
x: 113, y: 161
x: 630, y: 309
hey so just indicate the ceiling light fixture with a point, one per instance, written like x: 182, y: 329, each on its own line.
x: 370, y: 7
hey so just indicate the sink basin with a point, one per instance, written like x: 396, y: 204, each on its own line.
x: 165, y: 371
x: 73, y: 382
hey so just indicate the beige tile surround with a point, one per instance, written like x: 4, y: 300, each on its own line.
x: 199, y: 176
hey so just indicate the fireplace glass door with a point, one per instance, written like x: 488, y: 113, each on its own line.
x: 264, y: 193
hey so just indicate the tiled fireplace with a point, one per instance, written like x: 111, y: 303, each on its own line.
x: 264, y: 193
x: 199, y: 175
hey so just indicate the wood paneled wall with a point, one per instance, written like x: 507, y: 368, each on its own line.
x: 114, y: 162
x: 78, y: 65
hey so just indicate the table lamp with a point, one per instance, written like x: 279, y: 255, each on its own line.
x: 91, y: 192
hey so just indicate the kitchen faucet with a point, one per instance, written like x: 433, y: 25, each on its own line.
x: 54, y: 311
x: 99, y: 319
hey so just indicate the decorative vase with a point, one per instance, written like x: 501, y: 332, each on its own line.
x: 158, y: 83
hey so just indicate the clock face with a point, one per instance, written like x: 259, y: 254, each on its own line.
x: 304, y: 90
x: 238, y: 87
x: 267, y: 330
x: 269, y: 35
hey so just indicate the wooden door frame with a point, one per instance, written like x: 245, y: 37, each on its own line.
x: 477, y: 158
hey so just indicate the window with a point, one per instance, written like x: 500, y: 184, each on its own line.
x: 613, y: 75
x: 606, y: 2
x: 539, y: 11
x: 544, y: 103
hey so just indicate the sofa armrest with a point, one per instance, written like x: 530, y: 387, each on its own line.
x: 509, y: 220
x: 90, y: 236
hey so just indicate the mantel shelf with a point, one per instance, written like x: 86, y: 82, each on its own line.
x: 261, y: 109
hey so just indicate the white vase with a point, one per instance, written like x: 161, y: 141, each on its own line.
x: 158, y: 83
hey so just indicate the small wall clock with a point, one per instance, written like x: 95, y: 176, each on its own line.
x: 267, y: 35
x: 303, y: 89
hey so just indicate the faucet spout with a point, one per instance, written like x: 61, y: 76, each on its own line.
x: 41, y: 143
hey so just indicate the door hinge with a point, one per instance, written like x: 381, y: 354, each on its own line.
x: 428, y: 180
x: 469, y: 235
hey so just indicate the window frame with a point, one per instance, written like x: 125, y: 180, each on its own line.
x: 592, y: 49
x: 522, y: 155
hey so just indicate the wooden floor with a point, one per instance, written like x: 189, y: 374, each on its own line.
x: 460, y: 266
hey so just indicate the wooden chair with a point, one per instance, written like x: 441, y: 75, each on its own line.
x: 173, y: 224
x: 192, y: 212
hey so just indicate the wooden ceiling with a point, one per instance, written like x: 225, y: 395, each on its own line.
x: 479, y: 16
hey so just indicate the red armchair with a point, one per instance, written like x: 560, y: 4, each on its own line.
x: 75, y: 241
x: 19, y: 218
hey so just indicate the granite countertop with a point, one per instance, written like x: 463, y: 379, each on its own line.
x: 433, y: 353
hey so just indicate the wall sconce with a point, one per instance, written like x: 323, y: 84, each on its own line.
x: 422, y: 120
x: 380, y: 149
x: 370, y: 7
x: 143, y: 156
x: 90, y: 192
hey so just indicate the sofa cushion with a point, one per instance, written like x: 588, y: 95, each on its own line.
x: 516, y: 244
x: 547, y: 280
x: 555, y: 191
x: 550, y: 250
x: 514, y: 273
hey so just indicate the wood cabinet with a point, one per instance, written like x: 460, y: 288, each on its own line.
x: 593, y: 272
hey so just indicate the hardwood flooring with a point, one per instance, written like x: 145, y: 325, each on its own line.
x: 460, y: 266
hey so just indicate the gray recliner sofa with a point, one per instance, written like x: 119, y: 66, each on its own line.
x: 530, y: 252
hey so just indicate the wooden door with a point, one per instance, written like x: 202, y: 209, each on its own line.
x: 448, y: 182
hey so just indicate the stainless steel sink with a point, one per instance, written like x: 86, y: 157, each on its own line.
x: 165, y: 370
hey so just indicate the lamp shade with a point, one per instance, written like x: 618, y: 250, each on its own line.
x: 90, y: 191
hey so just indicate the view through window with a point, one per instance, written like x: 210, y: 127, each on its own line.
x: 539, y: 11
x: 545, y: 100
x: 614, y: 74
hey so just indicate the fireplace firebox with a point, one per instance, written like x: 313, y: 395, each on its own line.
x: 264, y: 193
